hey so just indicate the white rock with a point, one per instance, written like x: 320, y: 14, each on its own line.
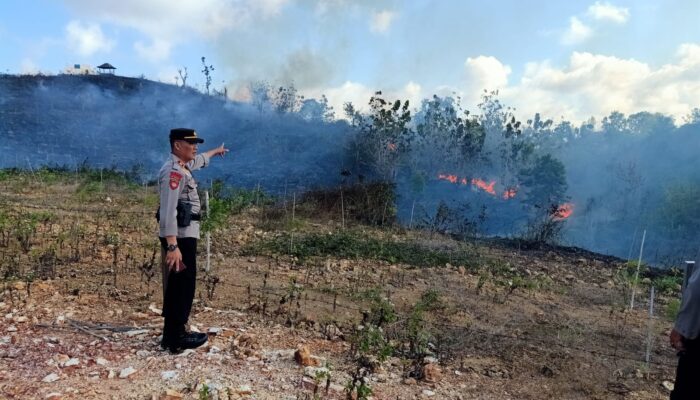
x: 186, y: 353
x: 214, y: 350
x: 11, y: 328
x: 52, y: 377
x: 143, y: 353
x: 428, y: 393
x: 126, y: 372
x: 136, y: 332
x: 71, y: 362
x: 111, y: 374
x: 100, y: 361
x: 668, y: 385
x: 21, y: 319
x: 155, y: 310
x: 168, y: 375
x: 215, y: 331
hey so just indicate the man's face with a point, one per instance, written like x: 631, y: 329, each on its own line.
x: 185, y: 150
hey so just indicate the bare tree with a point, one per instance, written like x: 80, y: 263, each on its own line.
x: 183, y: 75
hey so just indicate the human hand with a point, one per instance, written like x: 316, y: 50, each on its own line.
x: 173, y: 260
x: 220, y: 151
x: 676, y: 340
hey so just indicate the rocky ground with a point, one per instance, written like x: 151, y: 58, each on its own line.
x: 512, y: 323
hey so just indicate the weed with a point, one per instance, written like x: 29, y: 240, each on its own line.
x: 672, y: 309
x: 669, y: 284
x: 369, y: 344
x: 226, y: 201
x: 204, y: 392
x: 353, y: 244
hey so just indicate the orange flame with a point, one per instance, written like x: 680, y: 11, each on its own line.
x: 487, y: 187
x: 563, y: 212
x: 510, y: 193
x: 480, y: 184
x: 449, y: 178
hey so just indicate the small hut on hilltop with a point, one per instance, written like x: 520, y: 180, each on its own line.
x: 106, y: 68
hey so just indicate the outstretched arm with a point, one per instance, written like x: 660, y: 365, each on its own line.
x: 219, y: 151
x: 202, y: 159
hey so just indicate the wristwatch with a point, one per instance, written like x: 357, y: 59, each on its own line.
x: 172, y: 247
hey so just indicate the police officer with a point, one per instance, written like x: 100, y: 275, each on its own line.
x: 685, y: 338
x: 179, y: 216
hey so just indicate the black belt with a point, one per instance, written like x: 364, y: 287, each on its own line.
x: 196, y: 217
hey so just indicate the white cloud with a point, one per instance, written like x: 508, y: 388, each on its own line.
x: 484, y: 73
x: 87, y: 39
x: 168, y: 23
x: 595, y: 85
x: 576, y: 33
x: 608, y: 12
x: 381, y: 21
x: 358, y: 94
x: 154, y: 52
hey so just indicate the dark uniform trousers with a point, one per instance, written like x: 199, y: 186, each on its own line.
x: 687, y: 386
x: 179, y: 287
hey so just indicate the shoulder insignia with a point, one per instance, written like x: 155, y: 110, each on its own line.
x: 175, y: 178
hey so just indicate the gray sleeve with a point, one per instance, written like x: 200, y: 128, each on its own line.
x: 200, y: 161
x: 688, y: 320
x: 171, y: 185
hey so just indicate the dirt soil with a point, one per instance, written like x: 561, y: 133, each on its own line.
x: 87, y: 323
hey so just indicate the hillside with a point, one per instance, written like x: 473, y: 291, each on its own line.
x: 439, y: 318
x: 106, y: 121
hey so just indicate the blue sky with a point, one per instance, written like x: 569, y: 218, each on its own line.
x: 567, y: 59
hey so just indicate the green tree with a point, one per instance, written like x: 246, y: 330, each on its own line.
x: 508, y: 148
x: 286, y: 99
x: 383, y: 136
x: 448, y: 130
x: 679, y: 213
x: 317, y: 110
x: 544, y: 182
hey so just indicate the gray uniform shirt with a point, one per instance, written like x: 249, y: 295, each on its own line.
x: 175, y: 182
x: 688, y: 320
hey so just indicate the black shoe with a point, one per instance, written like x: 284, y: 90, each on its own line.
x: 187, y: 341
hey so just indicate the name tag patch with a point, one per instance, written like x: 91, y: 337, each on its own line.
x: 175, y: 178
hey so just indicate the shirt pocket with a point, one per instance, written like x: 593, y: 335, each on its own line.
x: 191, y: 189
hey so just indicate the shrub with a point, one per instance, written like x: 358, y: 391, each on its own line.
x: 350, y: 244
x: 369, y: 203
